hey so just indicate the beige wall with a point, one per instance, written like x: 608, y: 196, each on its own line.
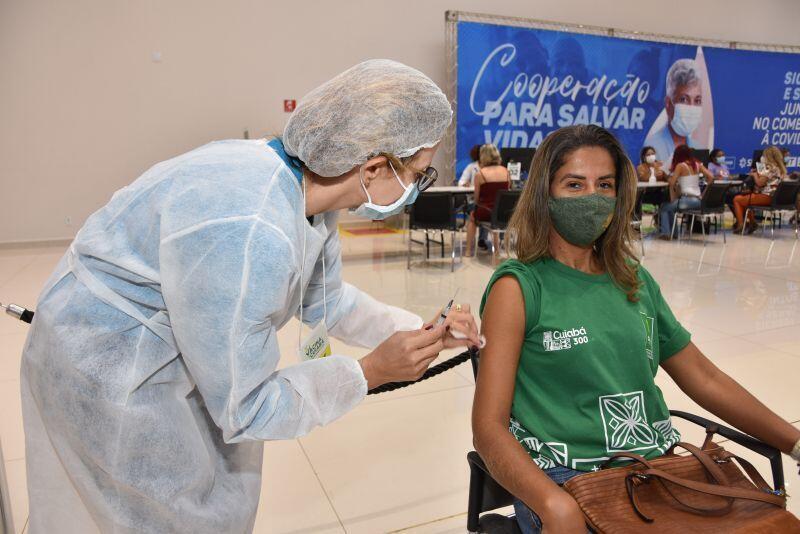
x: 84, y: 109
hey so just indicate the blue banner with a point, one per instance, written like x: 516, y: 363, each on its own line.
x: 516, y: 85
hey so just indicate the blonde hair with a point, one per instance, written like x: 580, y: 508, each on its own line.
x: 774, y: 157
x: 489, y: 155
x: 530, y: 224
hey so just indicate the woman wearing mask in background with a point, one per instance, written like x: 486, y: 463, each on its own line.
x: 766, y: 179
x: 150, y: 372
x: 717, y: 165
x: 577, y: 331
x: 684, y: 188
x: 650, y: 169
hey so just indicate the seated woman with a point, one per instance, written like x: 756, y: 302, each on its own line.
x: 649, y: 168
x: 684, y: 188
x: 772, y: 171
x: 491, y: 178
x: 576, y: 331
x: 717, y: 165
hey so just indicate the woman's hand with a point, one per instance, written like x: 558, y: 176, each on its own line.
x: 562, y: 514
x: 404, y: 356
x: 461, y: 323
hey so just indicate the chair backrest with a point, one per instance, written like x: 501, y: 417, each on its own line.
x: 504, y: 206
x: 714, y: 197
x: 785, y: 194
x: 433, y: 211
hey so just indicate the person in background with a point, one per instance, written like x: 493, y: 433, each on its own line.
x: 787, y: 159
x: 684, y: 109
x: 469, y: 172
x: 650, y: 169
x: 567, y: 377
x: 684, y: 187
x: 491, y: 178
x: 766, y: 180
x: 717, y: 165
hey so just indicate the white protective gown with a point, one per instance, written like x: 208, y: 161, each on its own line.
x: 149, y: 375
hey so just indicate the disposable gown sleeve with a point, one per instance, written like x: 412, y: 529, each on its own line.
x: 224, y: 284
x: 353, y: 316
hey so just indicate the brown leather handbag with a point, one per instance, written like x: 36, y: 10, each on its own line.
x: 704, y: 491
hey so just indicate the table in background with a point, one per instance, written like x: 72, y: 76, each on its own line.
x: 456, y: 189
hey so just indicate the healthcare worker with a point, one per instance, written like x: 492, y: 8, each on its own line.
x: 150, y: 376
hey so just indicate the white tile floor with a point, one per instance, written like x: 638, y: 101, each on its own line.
x: 397, y: 462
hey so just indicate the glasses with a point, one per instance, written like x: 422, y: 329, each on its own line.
x: 426, y: 178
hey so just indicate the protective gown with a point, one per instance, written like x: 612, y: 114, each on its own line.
x: 149, y: 375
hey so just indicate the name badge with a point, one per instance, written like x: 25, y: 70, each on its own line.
x: 316, y: 344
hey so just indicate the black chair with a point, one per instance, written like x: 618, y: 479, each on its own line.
x: 504, y: 205
x: 435, y: 212
x: 487, y: 495
x: 783, y: 199
x: 712, y: 206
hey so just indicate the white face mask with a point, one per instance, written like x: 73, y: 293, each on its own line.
x: 650, y: 158
x: 687, y: 119
x: 721, y: 160
x: 376, y: 212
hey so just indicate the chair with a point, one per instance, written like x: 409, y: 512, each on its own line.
x: 712, y: 206
x: 783, y: 199
x: 504, y: 205
x: 434, y: 212
x: 487, y: 495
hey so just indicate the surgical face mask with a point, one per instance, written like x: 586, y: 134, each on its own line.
x: 686, y: 119
x: 581, y: 220
x: 721, y: 160
x: 375, y: 212
x: 650, y: 158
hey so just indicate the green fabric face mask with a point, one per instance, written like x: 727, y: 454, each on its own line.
x: 581, y: 220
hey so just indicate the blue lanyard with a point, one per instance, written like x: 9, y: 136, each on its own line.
x: 294, y: 164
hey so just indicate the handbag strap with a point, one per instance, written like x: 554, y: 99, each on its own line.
x: 706, y: 461
x: 752, y: 472
x: 722, y: 488
x: 715, y: 489
x: 635, y: 479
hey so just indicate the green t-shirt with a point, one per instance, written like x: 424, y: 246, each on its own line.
x: 585, y: 384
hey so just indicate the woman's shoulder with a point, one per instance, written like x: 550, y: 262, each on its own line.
x: 646, y: 280
x: 526, y: 274
x: 528, y: 271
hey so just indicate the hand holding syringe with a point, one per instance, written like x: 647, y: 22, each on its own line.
x: 460, y: 326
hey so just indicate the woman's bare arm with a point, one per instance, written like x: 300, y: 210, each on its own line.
x: 643, y: 172
x: 721, y: 395
x: 708, y: 174
x: 504, y: 327
x: 477, y: 184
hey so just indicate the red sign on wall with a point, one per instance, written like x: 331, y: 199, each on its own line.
x: 289, y: 105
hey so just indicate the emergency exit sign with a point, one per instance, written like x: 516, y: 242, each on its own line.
x: 289, y: 105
